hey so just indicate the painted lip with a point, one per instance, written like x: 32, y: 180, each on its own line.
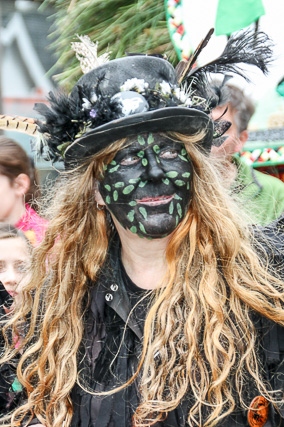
x: 155, y: 201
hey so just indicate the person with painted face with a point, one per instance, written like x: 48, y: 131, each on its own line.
x: 152, y: 302
x: 147, y: 186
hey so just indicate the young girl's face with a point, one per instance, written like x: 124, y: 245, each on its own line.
x: 9, y: 198
x: 14, y: 263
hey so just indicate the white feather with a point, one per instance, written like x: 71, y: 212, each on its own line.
x: 87, y: 53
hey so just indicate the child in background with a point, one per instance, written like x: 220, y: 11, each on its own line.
x: 19, y: 191
x: 15, y: 256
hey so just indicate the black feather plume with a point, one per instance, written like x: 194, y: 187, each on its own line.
x: 66, y: 119
x: 61, y: 121
x: 244, y: 47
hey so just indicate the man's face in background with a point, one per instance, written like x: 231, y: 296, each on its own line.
x: 235, y: 139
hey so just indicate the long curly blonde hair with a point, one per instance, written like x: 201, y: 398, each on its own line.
x: 199, y: 321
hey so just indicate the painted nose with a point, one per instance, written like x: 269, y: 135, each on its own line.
x: 153, y: 170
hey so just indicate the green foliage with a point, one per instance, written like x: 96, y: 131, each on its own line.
x: 120, y: 26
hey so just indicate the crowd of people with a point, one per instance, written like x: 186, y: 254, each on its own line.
x: 152, y: 300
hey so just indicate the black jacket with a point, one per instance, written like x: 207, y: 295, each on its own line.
x: 106, y: 329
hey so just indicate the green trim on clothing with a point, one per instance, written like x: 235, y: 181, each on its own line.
x: 261, y: 195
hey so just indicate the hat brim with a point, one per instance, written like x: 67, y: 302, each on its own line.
x: 187, y: 121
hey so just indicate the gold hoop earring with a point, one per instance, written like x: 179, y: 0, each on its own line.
x: 100, y: 207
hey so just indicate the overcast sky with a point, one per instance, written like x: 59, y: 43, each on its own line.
x: 199, y: 16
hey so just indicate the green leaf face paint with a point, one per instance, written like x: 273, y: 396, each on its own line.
x: 147, y: 187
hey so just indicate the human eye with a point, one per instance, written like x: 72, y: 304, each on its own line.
x: 130, y: 159
x: 169, y: 153
x: 2, y: 266
x: 21, y: 267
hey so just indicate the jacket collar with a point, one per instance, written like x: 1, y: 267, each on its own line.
x: 115, y: 293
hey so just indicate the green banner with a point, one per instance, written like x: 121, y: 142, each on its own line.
x: 233, y: 15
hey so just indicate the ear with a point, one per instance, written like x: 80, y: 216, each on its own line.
x: 22, y: 184
x: 243, y: 137
x: 98, y: 196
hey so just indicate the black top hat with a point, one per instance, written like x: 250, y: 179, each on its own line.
x: 140, y: 94
x: 118, y: 99
x: 137, y: 94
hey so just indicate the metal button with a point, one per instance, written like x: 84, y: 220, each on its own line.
x: 157, y: 355
x: 109, y: 297
x: 114, y: 287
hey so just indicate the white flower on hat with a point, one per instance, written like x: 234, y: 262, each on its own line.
x: 94, y: 98
x: 137, y: 84
x: 188, y: 102
x: 181, y: 95
x: 86, y: 104
x: 165, y: 88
